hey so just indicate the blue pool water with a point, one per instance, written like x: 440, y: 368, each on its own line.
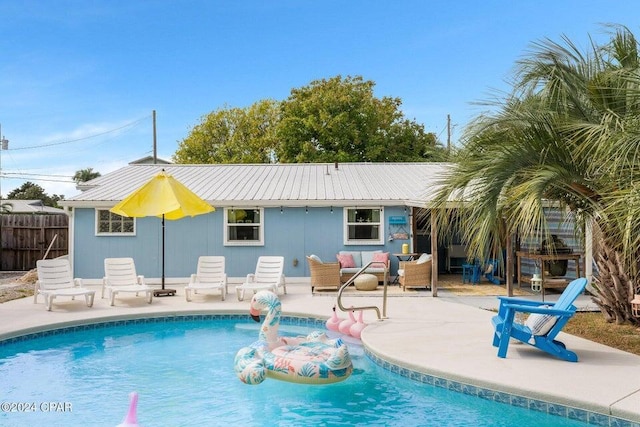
x: 183, y: 373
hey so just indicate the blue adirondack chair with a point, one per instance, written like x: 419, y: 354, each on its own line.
x: 542, y: 326
x: 490, y: 270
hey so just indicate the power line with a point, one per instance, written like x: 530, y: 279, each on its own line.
x: 37, y: 177
x: 20, y: 174
x: 68, y: 181
x: 131, y: 124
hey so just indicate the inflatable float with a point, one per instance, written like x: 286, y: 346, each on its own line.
x: 356, y: 329
x: 345, y: 326
x: 349, y: 327
x: 131, y: 419
x: 314, y: 359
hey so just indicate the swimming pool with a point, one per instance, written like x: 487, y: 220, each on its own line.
x: 182, y: 369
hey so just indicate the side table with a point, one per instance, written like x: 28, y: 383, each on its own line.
x: 407, y: 257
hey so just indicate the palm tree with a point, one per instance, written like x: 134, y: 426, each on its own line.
x: 84, y: 175
x: 566, y: 136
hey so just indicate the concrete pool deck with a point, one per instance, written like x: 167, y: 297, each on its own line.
x: 448, y: 337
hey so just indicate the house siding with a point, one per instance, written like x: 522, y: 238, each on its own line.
x: 292, y: 233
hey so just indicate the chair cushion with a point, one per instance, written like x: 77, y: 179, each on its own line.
x: 424, y: 258
x: 346, y: 260
x: 540, y: 324
x: 371, y: 270
x: 382, y: 257
x: 357, y: 257
x: 315, y: 258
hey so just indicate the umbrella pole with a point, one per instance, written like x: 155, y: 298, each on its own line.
x: 163, y: 291
x: 162, y: 251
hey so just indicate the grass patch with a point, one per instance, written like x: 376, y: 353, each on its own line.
x: 15, y: 292
x: 593, y: 327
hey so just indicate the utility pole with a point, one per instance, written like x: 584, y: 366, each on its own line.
x: 4, y: 145
x: 448, y: 133
x: 155, y: 146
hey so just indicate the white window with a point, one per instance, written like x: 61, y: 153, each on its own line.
x: 363, y: 226
x: 108, y: 223
x: 243, y: 227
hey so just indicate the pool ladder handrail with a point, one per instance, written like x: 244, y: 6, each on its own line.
x: 369, y: 307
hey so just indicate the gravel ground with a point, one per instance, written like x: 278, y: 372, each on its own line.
x: 16, y: 284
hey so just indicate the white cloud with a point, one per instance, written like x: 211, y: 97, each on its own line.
x: 51, y: 159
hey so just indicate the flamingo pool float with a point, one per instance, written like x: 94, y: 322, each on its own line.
x: 314, y: 359
x: 356, y: 329
x: 346, y: 324
x: 334, y: 321
x: 130, y: 420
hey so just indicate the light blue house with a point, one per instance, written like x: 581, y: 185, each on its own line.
x: 291, y: 210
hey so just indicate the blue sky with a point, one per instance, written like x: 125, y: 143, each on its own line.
x: 79, y: 79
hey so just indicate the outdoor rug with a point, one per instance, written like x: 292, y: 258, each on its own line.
x: 449, y: 283
x: 482, y: 289
x: 452, y: 283
x: 392, y: 291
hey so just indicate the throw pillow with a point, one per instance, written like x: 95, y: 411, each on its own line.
x: 315, y: 258
x: 357, y: 257
x: 346, y: 260
x: 424, y: 258
x: 382, y: 258
x: 540, y: 324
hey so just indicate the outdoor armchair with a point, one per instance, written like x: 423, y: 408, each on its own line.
x: 415, y: 274
x: 323, y: 274
x: 544, y: 323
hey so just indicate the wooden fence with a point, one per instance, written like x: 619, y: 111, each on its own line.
x: 26, y: 237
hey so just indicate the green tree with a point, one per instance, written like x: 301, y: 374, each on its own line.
x: 84, y: 175
x: 567, y: 136
x: 340, y: 119
x: 233, y: 135
x: 31, y: 191
x: 329, y: 120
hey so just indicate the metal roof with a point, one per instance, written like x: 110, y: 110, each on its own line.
x: 31, y: 207
x: 291, y: 184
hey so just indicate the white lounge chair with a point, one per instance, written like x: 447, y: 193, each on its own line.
x: 209, y: 275
x: 56, y: 280
x: 268, y: 276
x: 120, y: 276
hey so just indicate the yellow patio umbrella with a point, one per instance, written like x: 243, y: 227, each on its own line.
x: 162, y: 196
